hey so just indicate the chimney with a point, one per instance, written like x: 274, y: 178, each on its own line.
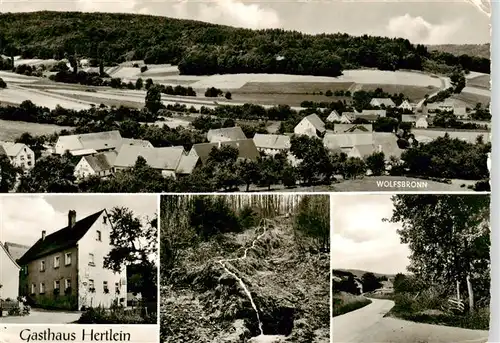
x: 43, y: 234
x: 71, y: 218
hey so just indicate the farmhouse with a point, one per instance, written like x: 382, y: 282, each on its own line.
x: 333, y: 117
x: 405, y: 106
x: 101, y: 164
x: 225, y: 134
x: 352, y: 128
x: 93, y: 142
x: 311, y: 126
x: 271, y: 144
x: 20, y: 155
x: 16, y: 250
x: 352, y: 144
x: 419, y: 121
x: 347, y: 117
x: 382, y: 102
x: 387, y: 143
x: 9, y: 275
x: 165, y: 160
x: 246, y: 150
x: 65, y: 269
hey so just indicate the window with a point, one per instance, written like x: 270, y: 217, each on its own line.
x: 67, y: 283
x: 57, y: 284
x: 105, y: 287
x: 117, y: 288
x: 33, y: 288
x: 67, y: 259
x: 42, y: 265
x: 99, y: 236
x: 91, y: 286
x: 26, y: 270
x: 104, y: 219
x: 42, y: 288
x: 22, y: 158
x: 91, y: 260
x: 57, y: 260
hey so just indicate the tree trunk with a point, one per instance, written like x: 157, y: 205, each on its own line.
x: 458, y: 290
x: 471, y: 294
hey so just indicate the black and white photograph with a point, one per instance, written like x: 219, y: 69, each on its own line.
x: 411, y: 268
x: 245, y: 268
x: 79, y: 259
x: 137, y: 96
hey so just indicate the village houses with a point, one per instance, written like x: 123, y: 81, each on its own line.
x: 19, y: 154
x: 334, y: 116
x: 311, y: 126
x: 225, y: 134
x: 382, y: 102
x: 9, y: 275
x: 406, y: 106
x: 246, y: 150
x: 65, y: 269
x: 419, y: 121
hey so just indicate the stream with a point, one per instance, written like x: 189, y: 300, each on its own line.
x: 247, y: 292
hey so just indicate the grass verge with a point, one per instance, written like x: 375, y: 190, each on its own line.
x: 344, y: 303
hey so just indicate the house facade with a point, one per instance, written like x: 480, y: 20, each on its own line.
x: 20, y: 155
x: 88, y: 143
x: 311, y: 126
x: 101, y: 165
x: 272, y: 144
x: 9, y: 275
x: 65, y: 269
x: 382, y: 102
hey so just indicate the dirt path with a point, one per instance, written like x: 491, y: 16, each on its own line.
x: 367, y: 325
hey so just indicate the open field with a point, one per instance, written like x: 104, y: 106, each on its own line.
x: 293, y: 87
x: 17, y: 95
x: 10, y: 130
x: 422, y: 135
x: 482, y: 81
x: 415, y: 93
x: 471, y: 99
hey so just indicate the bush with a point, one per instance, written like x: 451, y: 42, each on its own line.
x: 115, y: 315
x: 144, y: 68
x: 345, y: 302
x: 2, y: 83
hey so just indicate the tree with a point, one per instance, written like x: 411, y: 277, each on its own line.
x: 133, y: 242
x: 153, y: 99
x: 268, y: 172
x: 8, y: 174
x: 139, y: 83
x: 376, y: 163
x: 312, y: 223
x: 2, y: 83
x: 370, y: 282
x: 353, y: 167
x: 458, y: 80
x: 228, y: 95
x: 149, y: 83
x: 449, y: 239
x: 248, y: 171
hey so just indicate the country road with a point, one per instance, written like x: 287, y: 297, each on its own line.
x: 368, y: 325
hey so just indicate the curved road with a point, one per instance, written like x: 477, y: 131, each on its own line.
x: 368, y: 325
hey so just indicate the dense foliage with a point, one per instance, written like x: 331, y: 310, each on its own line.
x: 202, y: 48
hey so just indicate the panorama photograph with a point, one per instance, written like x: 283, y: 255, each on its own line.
x: 79, y: 260
x: 227, y: 95
x: 412, y: 269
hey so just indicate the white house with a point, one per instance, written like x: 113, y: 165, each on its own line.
x: 422, y: 122
x: 353, y: 144
x: 101, y: 164
x: 382, y: 102
x: 225, y: 134
x: 20, y: 155
x: 65, y: 269
x: 97, y: 142
x: 419, y: 121
x: 347, y: 117
x: 311, y: 126
x: 406, y: 106
x: 272, y: 144
x: 9, y: 275
x: 334, y: 116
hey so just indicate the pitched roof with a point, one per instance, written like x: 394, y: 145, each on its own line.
x: 384, y: 101
x: 365, y: 149
x: 159, y: 158
x: 101, y: 162
x: 246, y: 148
x: 2, y: 151
x: 380, y: 113
x: 316, y: 122
x: 388, y: 142
x: 268, y: 141
x: 333, y: 116
x: 9, y: 255
x: 12, y: 149
x: 227, y: 133
x: 16, y: 250
x: 60, y: 240
x: 344, y: 128
x: 334, y: 141
x: 95, y: 140
x: 187, y: 164
x: 136, y: 142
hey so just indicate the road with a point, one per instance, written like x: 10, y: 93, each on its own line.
x: 368, y: 325
x: 43, y: 317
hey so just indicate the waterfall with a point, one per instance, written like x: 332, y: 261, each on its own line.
x: 247, y: 292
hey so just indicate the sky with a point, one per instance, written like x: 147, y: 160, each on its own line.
x: 361, y: 240
x: 421, y: 21
x: 22, y: 218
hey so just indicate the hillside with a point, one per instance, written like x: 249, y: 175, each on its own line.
x: 203, y: 49
x: 478, y: 50
x: 359, y: 273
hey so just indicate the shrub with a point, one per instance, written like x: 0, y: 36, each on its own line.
x: 144, y: 68
x: 2, y: 83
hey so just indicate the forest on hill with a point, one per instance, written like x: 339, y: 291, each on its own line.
x: 478, y: 50
x: 200, y: 48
